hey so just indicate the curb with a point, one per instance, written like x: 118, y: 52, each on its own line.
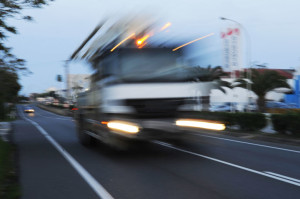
x: 6, y: 131
x: 53, y: 110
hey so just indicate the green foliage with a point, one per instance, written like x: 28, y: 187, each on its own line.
x: 9, y: 86
x: 207, y: 74
x: 279, y: 122
x: 261, y: 83
x: 22, y: 98
x: 3, y: 111
x: 8, y: 180
x: 283, y: 123
x: 12, y: 9
x: 250, y: 121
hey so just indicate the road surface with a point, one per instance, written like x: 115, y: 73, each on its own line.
x: 54, y: 165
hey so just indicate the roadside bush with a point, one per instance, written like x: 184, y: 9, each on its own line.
x: 9, y: 187
x: 289, y: 121
x: 5, y: 110
x: 250, y: 121
x: 280, y: 122
x: 2, y: 111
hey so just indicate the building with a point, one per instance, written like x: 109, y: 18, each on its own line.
x: 294, y: 98
x: 242, y: 96
x: 78, y: 83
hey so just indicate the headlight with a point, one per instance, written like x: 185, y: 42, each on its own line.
x: 201, y: 124
x: 125, y: 127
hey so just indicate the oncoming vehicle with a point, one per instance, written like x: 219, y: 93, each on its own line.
x: 220, y: 108
x: 135, y: 93
x: 28, y: 109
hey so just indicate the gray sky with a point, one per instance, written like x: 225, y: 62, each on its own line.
x: 58, y: 29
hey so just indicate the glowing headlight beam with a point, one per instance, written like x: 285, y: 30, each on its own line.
x: 193, y: 41
x: 165, y: 26
x: 140, y: 41
x: 121, y: 42
x: 201, y: 124
x: 123, y: 126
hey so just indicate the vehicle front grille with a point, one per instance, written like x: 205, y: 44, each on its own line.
x: 155, y: 107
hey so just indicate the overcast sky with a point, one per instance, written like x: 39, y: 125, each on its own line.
x: 58, y: 29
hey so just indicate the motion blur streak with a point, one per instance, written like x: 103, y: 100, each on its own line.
x: 123, y: 126
x: 140, y: 41
x: 193, y: 41
x: 116, y: 46
x: 200, y: 124
x: 166, y: 26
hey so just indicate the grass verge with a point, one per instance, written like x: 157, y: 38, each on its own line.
x: 9, y: 186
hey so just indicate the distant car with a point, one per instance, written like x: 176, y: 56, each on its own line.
x: 220, y: 108
x: 272, y: 104
x: 250, y: 107
x: 28, y: 109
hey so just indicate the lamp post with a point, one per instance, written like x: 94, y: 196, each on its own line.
x: 248, y: 60
x: 67, y: 80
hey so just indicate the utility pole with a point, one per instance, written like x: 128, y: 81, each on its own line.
x: 67, y: 80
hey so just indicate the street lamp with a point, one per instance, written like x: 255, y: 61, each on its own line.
x: 248, y: 60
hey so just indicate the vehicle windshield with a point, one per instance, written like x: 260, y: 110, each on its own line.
x: 151, y: 65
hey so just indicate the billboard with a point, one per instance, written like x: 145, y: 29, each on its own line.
x: 232, y: 49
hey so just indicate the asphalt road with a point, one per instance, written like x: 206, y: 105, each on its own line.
x: 54, y: 165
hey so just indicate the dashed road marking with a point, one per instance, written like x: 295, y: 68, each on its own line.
x: 283, y: 176
x: 229, y: 164
x: 250, y: 143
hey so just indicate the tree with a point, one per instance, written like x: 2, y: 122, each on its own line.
x: 212, y: 75
x: 262, y: 82
x: 12, y: 9
x: 9, y: 63
x: 9, y: 88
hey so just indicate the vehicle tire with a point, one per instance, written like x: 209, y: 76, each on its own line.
x: 84, y: 138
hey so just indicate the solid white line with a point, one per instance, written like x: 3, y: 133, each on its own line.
x: 261, y: 145
x: 228, y: 163
x: 96, y: 186
x: 282, y: 176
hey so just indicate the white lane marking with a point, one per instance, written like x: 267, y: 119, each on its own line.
x: 227, y: 163
x: 94, y: 184
x: 282, y: 176
x: 261, y: 145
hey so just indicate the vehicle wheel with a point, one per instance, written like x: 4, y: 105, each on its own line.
x: 84, y: 138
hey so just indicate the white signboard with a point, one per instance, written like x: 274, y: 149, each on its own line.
x: 232, y: 51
